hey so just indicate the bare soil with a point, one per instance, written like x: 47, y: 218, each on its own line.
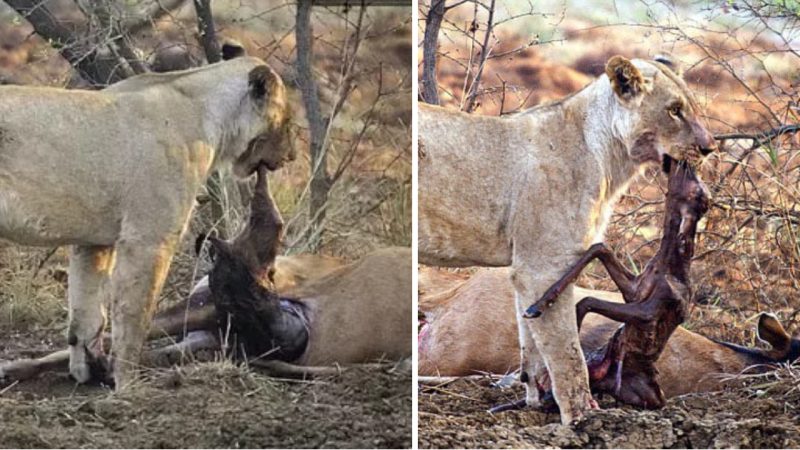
x: 206, y: 405
x: 764, y: 416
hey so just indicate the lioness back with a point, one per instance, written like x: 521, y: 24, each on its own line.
x: 75, y: 164
x: 481, y: 179
x: 460, y: 158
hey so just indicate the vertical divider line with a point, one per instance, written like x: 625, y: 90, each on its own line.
x: 414, y: 223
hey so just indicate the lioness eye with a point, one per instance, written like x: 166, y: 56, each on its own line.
x: 675, y: 110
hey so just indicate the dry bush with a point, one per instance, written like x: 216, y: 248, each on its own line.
x: 32, y: 288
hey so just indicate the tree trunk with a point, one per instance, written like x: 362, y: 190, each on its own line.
x: 429, y: 87
x: 472, y: 94
x: 317, y: 123
x: 216, y: 182
x: 208, y: 35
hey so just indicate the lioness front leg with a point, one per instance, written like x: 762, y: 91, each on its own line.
x: 556, y: 338
x: 89, y: 271
x: 139, y: 275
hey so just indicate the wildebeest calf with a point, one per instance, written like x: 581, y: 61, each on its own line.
x: 655, y: 301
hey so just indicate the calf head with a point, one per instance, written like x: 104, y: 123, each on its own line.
x: 252, y: 253
x: 666, y: 114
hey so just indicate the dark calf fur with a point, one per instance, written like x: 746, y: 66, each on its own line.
x: 265, y: 326
x: 655, y: 301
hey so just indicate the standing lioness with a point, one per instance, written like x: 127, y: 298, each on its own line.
x: 534, y: 190
x: 114, y: 174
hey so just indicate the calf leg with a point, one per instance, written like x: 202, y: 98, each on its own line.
x: 136, y: 283
x: 177, y: 352
x: 23, y: 369
x: 633, y: 313
x: 532, y: 369
x: 89, y: 270
x: 621, y: 276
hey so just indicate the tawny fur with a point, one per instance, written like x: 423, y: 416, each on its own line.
x: 534, y: 190
x: 468, y: 333
x: 361, y: 312
x: 114, y: 174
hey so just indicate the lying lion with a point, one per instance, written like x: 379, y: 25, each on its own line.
x: 114, y: 175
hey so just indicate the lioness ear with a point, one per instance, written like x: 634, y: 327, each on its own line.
x: 219, y: 249
x: 666, y: 163
x: 626, y: 80
x: 260, y: 80
x: 232, y: 49
x: 771, y: 330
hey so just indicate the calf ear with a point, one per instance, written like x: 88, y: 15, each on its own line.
x: 771, y: 331
x: 625, y: 78
x: 260, y: 81
x: 669, y: 61
x: 232, y: 49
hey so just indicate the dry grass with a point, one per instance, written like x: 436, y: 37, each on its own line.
x: 209, y: 405
x: 30, y: 290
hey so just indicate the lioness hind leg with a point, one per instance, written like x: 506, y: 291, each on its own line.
x: 531, y: 365
x: 136, y: 283
x: 556, y: 338
x: 89, y: 270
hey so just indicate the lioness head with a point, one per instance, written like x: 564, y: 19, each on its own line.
x: 272, y: 143
x: 668, y: 116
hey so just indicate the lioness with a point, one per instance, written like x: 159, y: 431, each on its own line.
x: 535, y: 189
x: 114, y: 174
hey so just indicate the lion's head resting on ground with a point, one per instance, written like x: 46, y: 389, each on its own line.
x: 668, y: 114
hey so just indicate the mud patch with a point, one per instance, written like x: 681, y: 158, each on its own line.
x: 211, y: 404
x: 454, y: 416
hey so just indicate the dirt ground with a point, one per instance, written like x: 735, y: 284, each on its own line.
x: 763, y: 413
x: 205, y: 405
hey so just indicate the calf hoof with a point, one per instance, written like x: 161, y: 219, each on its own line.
x: 532, y: 312
x: 512, y: 406
x: 18, y: 370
